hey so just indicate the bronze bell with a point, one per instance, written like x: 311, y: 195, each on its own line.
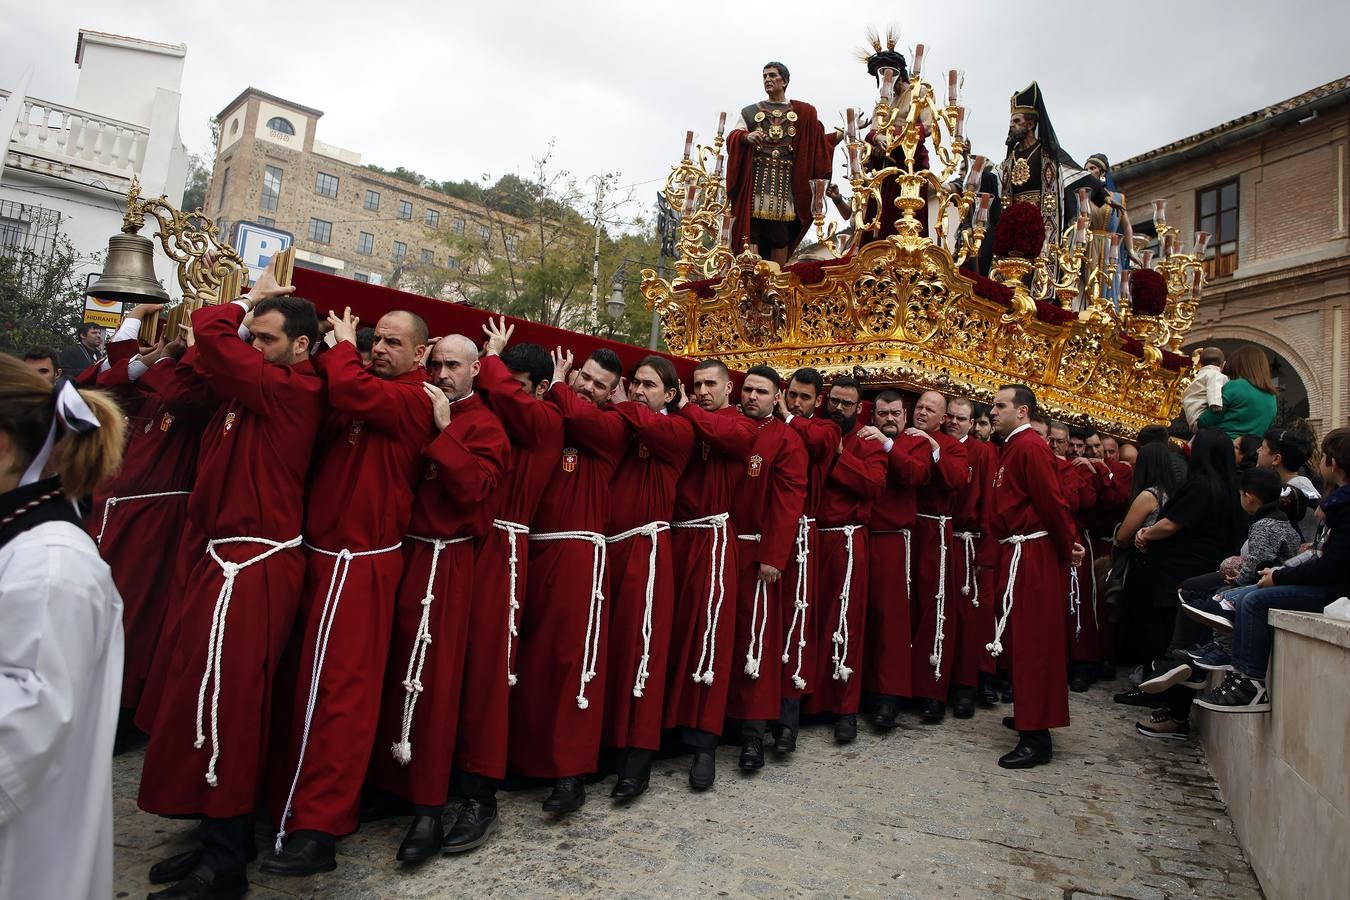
x: 129, y: 272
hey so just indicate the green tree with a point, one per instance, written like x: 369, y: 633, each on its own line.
x: 41, y: 297
x: 198, y: 179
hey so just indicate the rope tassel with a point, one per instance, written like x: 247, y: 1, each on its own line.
x: 514, y: 530
x: 590, y: 653
x: 703, y: 672
x: 650, y: 530
x: 995, y: 647
x: 840, y: 638
x: 800, y: 602
x: 939, y: 635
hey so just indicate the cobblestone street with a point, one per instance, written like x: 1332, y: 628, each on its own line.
x: 923, y: 812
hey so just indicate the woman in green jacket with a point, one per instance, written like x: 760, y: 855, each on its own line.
x: 1248, y: 397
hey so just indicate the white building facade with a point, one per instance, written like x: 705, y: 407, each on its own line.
x: 67, y: 168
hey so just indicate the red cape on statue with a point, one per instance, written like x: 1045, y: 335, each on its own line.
x: 811, y: 159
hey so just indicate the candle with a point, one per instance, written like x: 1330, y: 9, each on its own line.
x: 976, y: 172
x: 851, y: 120
x: 690, y: 199
x: 688, y: 144
x: 1168, y: 245
x: 951, y: 87
x: 720, y: 161
x: 854, y: 162
x: 961, y: 123
x: 1084, y: 205
x: 728, y: 220
x: 721, y: 124
x: 1114, y: 241
x: 1159, y: 212
x: 1146, y: 259
x: 917, y: 69
x: 1080, y: 230
x: 982, y: 212
x: 1125, y: 284
x: 1201, y: 243
x: 818, y: 186
x: 888, y: 76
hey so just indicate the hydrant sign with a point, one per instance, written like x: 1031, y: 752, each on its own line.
x: 107, y: 313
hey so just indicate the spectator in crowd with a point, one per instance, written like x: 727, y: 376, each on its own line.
x: 1157, y: 434
x: 1309, y: 587
x: 1245, y: 451
x: 1129, y: 453
x: 1155, y: 481
x: 1287, y: 451
x: 1248, y: 397
x: 365, y: 340
x: 60, y: 640
x: 43, y: 361
x: 1205, y: 392
x: 87, y: 350
x: 1198, y: 527
x: 1271, y: 540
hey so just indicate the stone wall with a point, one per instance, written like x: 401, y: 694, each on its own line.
x: 1286, y: 776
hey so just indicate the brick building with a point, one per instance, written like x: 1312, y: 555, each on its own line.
x: 271, y: 168
x: 1271, y: 187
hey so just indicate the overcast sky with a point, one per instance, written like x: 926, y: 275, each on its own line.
x: 456, y: 90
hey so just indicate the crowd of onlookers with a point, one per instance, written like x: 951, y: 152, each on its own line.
x: 1241, y: 519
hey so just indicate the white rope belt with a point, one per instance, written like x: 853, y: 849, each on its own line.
x: 417, y: 659
x: 840, y: 638
x: 935, y: 658
x: 342, y: 563
x: 1017, y: 540
x: 1075, y: 601
x: 215, y: 641
x: 909, y: 553
x: 113, y: 501
x: 590, y: 651
x: 717, y: 589
x: 968, y: 539
x: 514, y: 530
x: 1092, y: 574
x: 800, y: 601
x: 650, y: 530
x: 754, y: 654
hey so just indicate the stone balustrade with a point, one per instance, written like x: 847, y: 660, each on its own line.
x: 58, y: 140
x: 1286, y: 775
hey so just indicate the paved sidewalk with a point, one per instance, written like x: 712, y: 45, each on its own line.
x: 922, y: 812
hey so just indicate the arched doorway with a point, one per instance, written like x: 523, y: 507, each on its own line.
x: 1291, y: 394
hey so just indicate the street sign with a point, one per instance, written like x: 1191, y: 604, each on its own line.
x: 257, y: 243
x: 106, y: 313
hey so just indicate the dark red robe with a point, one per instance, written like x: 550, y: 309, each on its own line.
x: 974, y: 589
x: 800, y: 590
x: 557, y: 706
x: 701, y: 656
x: 810, y: 159
x: 452, y: 511
x: 856, y: 481
x: 367, y: 459
x: 1026, y: 499
x: 535, y: 430
x: 888, y: 648
x: 764, y: 514
x: 255, y: 453
x: 640, y: 617
x: 933, y: 542
x: 1085, y: 639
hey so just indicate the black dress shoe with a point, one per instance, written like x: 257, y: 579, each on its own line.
x: 932, y: 712
x: 176, y: 867
x: 1009, y: 723
x: 569, y: 795
x: 752, y: 754
x: 423, y: 840
x: 986, y: 695
x: 629, y: 788
x: 963, y: 707
x: 786, y: 741
x: 476, y: 820
x: 1006, y: 694
x: 203, y: 883
x: 885, y: 713
x: 846, y: 729
x: 301, y: 856
x: 703, y: 770
x: 1025, y: 756
x: 1079, y: 680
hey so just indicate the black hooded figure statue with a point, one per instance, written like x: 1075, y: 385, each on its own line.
x: 1031, y: 170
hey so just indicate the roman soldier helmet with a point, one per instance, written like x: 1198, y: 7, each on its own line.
x: 1029, y: 101
x: 879, y: 56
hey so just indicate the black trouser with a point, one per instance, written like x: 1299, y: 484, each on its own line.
x: 1202, y: 587
x: 227, y: 844
x: 633, y: 762
x: 790, y: 714
x: 698, y: 739
x: 471, y: 786
x: 753, y: 728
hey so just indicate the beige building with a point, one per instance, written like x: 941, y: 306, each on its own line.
x: 1271, y: 189
x: 271, y: 168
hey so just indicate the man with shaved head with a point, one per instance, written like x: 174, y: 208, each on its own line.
x: 935, y: 581
x: 452, y: 511
x: 366, y: 460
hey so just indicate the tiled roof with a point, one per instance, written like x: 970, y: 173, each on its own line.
x: 1293, y: 103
